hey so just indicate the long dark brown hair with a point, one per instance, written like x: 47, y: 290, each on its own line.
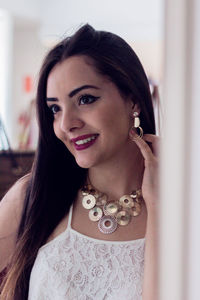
x: 55, y: 177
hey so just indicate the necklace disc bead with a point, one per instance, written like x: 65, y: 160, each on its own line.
x: 110, y: 208
x: 123, y: 217
x: 126, y: 201
x: 107, y: 224
x: 136, y: 209
x: 88, y: 201
x: 95, y: 213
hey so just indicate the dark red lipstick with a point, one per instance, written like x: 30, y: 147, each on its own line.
x: 81, y: 143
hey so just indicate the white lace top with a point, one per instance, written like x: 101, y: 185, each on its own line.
x: 74, y: 266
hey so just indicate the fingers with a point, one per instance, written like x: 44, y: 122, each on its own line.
x: 145, y: 149
x: 151, y: 138
x: 155, y: 143
x: 148, y: 152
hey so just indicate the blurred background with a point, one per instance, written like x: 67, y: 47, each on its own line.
x: 166, y: 36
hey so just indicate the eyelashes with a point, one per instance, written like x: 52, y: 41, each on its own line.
x: 54, y: 108
x: 85, y: 99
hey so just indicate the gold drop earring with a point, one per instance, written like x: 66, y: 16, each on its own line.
x: 136, y: 125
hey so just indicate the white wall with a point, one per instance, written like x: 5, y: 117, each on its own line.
x: 129, y: 18
x: 22, y: 8
x: 6, y: 54
x: 132, y: 19
x: 28, y: 54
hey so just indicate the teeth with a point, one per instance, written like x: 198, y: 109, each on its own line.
x: 80, y: 142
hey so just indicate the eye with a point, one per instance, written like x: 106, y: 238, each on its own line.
x: 54, y: 108
x: 87, y: 99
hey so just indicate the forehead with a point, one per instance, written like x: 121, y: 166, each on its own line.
x: 74, y: 71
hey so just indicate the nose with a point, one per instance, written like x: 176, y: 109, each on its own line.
x: 70, y: 121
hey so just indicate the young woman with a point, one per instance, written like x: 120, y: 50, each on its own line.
x: 83, y: 223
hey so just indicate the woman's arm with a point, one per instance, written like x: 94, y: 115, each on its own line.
x: 150, y: 283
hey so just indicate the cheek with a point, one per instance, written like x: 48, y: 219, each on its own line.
x: 61, y: 136
x: 116, y: 122
x: 107, y: 117
x: 58, y: 132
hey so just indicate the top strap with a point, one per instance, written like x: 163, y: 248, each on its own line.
x: 70, y: 216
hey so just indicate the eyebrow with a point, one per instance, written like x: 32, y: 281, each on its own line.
x: 75, y: 91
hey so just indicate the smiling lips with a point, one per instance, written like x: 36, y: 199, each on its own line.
x: 84, y: 141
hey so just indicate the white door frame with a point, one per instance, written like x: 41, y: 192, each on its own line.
x: 176, y: 151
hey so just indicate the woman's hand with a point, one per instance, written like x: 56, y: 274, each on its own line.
x: 150, y: 183
x: 150, y: 191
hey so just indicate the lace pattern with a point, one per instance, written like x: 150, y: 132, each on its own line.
x: 74, y: 266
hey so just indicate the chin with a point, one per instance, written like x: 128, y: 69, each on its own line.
x: 84, y: 164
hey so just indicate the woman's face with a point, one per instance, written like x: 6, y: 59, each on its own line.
x: 90, y: 116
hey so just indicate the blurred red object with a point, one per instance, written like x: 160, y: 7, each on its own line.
x: 28, y: 84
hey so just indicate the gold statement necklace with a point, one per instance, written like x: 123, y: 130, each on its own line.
x: 113, y: 213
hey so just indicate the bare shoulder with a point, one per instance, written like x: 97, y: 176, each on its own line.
x: 13, y: 199
x: 10, y: 215
x: 11, y: 206
x: 18, y: 187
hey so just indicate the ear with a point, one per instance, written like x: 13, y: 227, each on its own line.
x: 136, y: 107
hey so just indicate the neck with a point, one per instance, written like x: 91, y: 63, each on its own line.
x: 119, y: 176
